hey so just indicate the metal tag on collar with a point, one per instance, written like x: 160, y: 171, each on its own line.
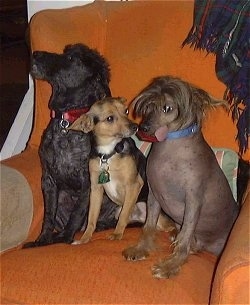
x: 104, y: 175
x: 103, y: 161
x: 64, y: 125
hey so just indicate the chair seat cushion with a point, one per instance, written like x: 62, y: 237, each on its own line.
x: 97, y: 273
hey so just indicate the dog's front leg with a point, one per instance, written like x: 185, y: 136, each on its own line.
x: 171, y: 265
x: 147, y: 240
x: 131, y: 195
x: 96, y: 196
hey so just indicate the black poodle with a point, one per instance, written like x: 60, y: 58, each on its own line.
x: 79, y: 77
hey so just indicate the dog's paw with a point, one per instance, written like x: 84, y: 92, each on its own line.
x: 134, y: 254
x: 42, y: 240
x: 62, y: 237
x: 115, y: 236
x: 31, y: 244
x: 173, y: 235
x: 83, y: 240
x: 76, y: 242
x: 165, y: 269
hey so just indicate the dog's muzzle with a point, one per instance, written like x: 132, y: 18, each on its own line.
x: 143, y: 136
x: 162, y: 133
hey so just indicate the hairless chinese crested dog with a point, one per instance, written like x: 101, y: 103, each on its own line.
x: 184, y: 177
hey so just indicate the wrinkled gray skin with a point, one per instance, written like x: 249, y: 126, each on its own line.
x: 184, y: 177
x: 187, y: 183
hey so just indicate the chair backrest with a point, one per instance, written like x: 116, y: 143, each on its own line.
x: 141, y: 40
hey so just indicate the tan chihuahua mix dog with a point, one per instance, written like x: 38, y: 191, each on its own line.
x: 116, y: 165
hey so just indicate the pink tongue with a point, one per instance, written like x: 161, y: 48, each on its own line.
x: 161, y: 133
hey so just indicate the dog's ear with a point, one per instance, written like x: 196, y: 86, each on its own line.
x: 123, y: 100
x: 84, y: 123
x: 202, y: 102
x: 202, y: 97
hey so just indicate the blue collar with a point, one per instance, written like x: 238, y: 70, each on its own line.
x: 183, y: 132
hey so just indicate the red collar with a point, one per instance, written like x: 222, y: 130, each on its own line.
x: 70, y: 115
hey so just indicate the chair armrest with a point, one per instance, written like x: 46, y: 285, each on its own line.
x: 231, y: 282
x: 16, y: 208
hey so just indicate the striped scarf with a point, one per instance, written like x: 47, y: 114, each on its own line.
x: 222, y: 27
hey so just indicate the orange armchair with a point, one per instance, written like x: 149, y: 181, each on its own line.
x: 141, y: 40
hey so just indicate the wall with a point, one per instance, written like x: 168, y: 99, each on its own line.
x: 34, y: 6
x: 20, y: 131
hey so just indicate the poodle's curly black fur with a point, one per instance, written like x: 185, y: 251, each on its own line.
x: 79, y: 77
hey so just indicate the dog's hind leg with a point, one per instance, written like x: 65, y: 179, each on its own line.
x: 166, y: 224
x: 147, y: 240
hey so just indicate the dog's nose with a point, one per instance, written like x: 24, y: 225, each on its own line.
x: 134, y: 127
x: 144, y: 128
x: 36, y: 54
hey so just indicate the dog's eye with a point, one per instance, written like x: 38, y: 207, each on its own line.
x: 110, y: 119
x: 167, y: 109
x: 70, y: 57
x: 126, y: 111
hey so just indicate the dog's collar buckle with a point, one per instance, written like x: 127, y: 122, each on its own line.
x: 64, y: 124
x: 103, y: 160
x: 67, y: 117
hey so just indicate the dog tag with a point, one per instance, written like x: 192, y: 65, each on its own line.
x: 104, y: 177
x: 64, y: 131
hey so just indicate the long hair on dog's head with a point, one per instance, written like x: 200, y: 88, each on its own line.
x: 183, y: 102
